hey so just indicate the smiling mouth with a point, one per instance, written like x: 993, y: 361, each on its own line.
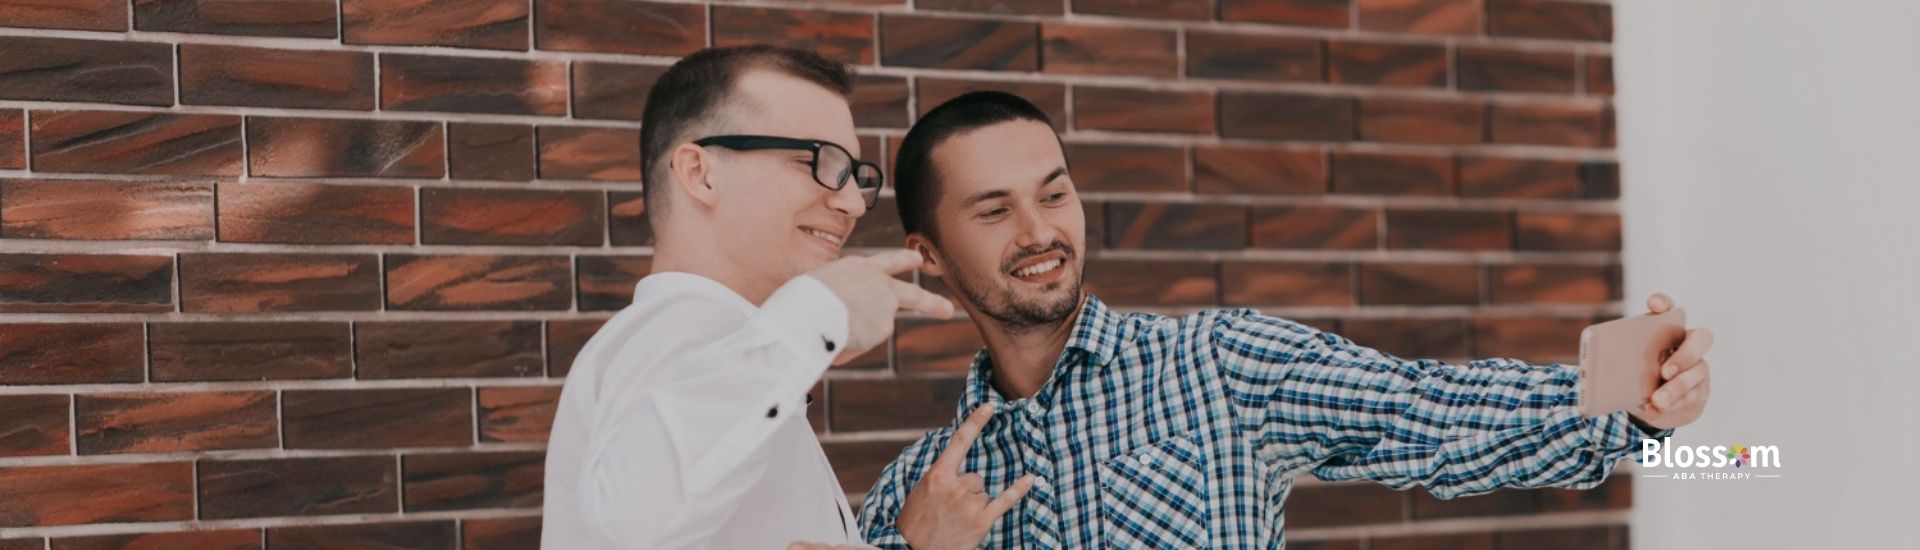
x: 832, y: 239
x: 1044, y: 268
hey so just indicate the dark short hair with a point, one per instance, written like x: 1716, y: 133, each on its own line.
x: 691, y: 93
x: 916, y: 183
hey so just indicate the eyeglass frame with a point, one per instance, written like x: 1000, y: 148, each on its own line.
x: 749, y: 142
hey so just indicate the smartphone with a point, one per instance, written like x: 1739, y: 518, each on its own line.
x: 1620, y: 360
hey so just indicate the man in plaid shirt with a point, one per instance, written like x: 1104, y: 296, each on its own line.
x: 1096, y: 428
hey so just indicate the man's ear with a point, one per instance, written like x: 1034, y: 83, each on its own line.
x: 930, y: 260
x: 692, y: 174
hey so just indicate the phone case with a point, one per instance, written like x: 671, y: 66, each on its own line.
x: 1620, y: 360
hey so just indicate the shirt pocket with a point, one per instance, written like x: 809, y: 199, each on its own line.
x: 1156, y: 496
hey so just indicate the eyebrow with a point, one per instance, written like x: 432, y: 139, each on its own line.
x: 982, y: 196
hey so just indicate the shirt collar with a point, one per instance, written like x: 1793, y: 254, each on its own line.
x: 1096, y: 334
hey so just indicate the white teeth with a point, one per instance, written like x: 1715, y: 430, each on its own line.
x: 1038, y: 268
x: 835, y: 239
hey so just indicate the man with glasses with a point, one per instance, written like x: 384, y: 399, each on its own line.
x: 683, y: 422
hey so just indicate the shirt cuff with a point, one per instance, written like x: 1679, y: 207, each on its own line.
x: 808, y: 318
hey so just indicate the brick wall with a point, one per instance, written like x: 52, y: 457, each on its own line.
x: 309, y: 273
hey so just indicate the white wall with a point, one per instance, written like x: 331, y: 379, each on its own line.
x: 1770, y: 156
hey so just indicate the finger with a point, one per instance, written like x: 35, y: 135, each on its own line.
x: 1659, y: 302
x: 1691, y: 351
x: 1670, y: 393
x: 1010, y: 497
x: 916, y: 299
x: 962, y: 440
x: 895, y: 262
x: 973, y: 483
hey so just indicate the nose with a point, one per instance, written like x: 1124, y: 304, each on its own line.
x: 1034, y: 228
x: 847, y: 201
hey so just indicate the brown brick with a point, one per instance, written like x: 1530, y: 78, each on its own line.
x: 305, y: 213
x: 23, y: 544
x: 466, y: 481
x: 1422, y: 121
x: 222, y: 539
x: 1259, y: 171
x: 620, y: 26
x: 260, y: 77
x: 603, y: 154
x: 1497, y: 503
x: 1458, y: 541
x: 1519, y: 178
x: 249, y: 350
x: 81, y: 15
x: 1088, y: 49
x: 174, y: 422
x: 517, y: 413
x: 606, y: 282
x: 447, y: 349
x: 502, y: 152
x: 1508, y: 70
x: 1326, y: 544
x: 879, y: 102
x: 13, y: 139
x: 99, y: 210
x: 1113, y: 167
x: 1535, y: 339
x: 1148, y: 9
x: 1550, y: 19
x: 490, y: 24
x: 627, y: 219
x: 40, y: 496
x: 71, y: 353
x: 1286, y: 116
x: 564, y: 339
x: 511, y: 217
x: 243, y: 282
x: 375, y: 419
x: 1177, y: 226
x: 419, y: 534
x: 94, y: 71
x: 1050, y: 98
x: 1456, y: 17
x: 1597, y: 537
x: 1599, y: 74
x: 1450, y: 229
x: 33, y: 425
x: 1212, y: 54
x: 1568, y: 125
x: 951, y: 43
x: 1015, y: 7
x: 453, y: 283
x: 472, y: 85
x: 893, y: 404
x: 1153, y: 282
x: 859, y: 463
x: 1311, y: 13
x: 1286, y: 284
x: 1444, y: 339
x: 136, y: 143
x: 1419, y: 284
x: 1600, y: 180
x: 612, y: 90
x: 232, y: 489
x: 487, y: 534
x: 879, y: 228
x: 1570, y: 232
x: 1315, y: 227
x: 1128, y: 109
x: 290, y: 18
x: 1553, y: 284
x: 322, y: 147
x: 1330, y: 505
x: 1392, y: 174
x: 76, y: 283
x: 935, y: 346
x: 843, y: 37
x: 1616, y: 493
x: 1386, y: 64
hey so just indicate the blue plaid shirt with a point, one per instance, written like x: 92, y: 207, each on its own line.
x: 1187, y: 432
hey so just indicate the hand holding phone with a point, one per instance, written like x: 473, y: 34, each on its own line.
x: 1620, y: 360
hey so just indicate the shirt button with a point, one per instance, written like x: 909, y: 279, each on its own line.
x: 773, y: 411
x: 830, y: 344
x: 1033, y: 408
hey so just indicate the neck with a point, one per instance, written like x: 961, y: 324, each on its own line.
x: 684, y: 254
x: 1023, y: 360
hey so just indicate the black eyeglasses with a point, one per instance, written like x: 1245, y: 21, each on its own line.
x: 832, y: 164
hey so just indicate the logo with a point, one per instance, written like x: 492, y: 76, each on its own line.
x: 1707, y: 462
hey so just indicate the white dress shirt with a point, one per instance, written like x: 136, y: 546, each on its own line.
x: 683, y: 423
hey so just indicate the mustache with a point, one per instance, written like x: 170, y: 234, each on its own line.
x: 1026, y: 253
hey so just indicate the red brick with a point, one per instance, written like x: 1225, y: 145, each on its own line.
x: 377, y: 419
x: 1102, y: 50
x: 843, y: 37
x: 1258, y: 283
x: 419, y: 534
x: 468, y: 481
x: 502, y: 152
x: 76, y: 283
x: 1392, y: 174
x: 606, y: 282
x: 1616, y: 493
x: 615, y: 91
x: 1422, y: 121
x: 1328, y: 505
x: 72, y: 353
x: 447, y: 349
x: 564, y: 339
x: 41, y: 496
x: 33, y: 425
x: 511, y: 217
x: 880, y: 228
x: 601, y: 154
x: 290, y: 18
x: 315, y: 214
x: 517, y: 413
x: 1147, y: 9
x: 486, y: 534
x: 103, y: 210
x: 880, y: 102
x: 1315, y: 227
x: 1018, y: 7
x: 1386, y: 64
x: 81, y: 15
x: 136, y: 143
x: 893, y: 404
x: 619, y: 26
x: 460, y: 283
x: 1153, y: 282
x: 1049, y: 97
x: 1419, y: 284
x: 1284, y: 116
x: 1597, y: 537
x: 1519, y: 178
x: 222, y: 539
x: 859, y: 463
x: 1446, y: 17
x: 490, y: 24
x: 330, y: 147
x: 1535, y: 339
x: 93, y: 71
x: 13, y: 139
x: 172, y: 422
x: 1127, y: 109
x: 1181, y: 226
x: 1213, y: 54
x: 1259, y: 170
x: 249, y: 350
x: 1509, y: 70
x: 1550, y: 19
x: 1567, y: 125
x: 953, y: 43
x: 1444, y: 339
x: 1312, y: 13
x: 1112, y: 167
x: 1600, y: 180
x: 1599, y: 74
x: 233, y: 489
x: 253, y: 283
x: 261, y: 77
x: 1568, y: 232
x: 1456, y: 541
x: 1450, y: 229
x: 473, y: 85
x: 935, y: 346
x: 627, y: 219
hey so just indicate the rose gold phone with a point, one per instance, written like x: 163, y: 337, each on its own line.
x: 1620, y: 360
